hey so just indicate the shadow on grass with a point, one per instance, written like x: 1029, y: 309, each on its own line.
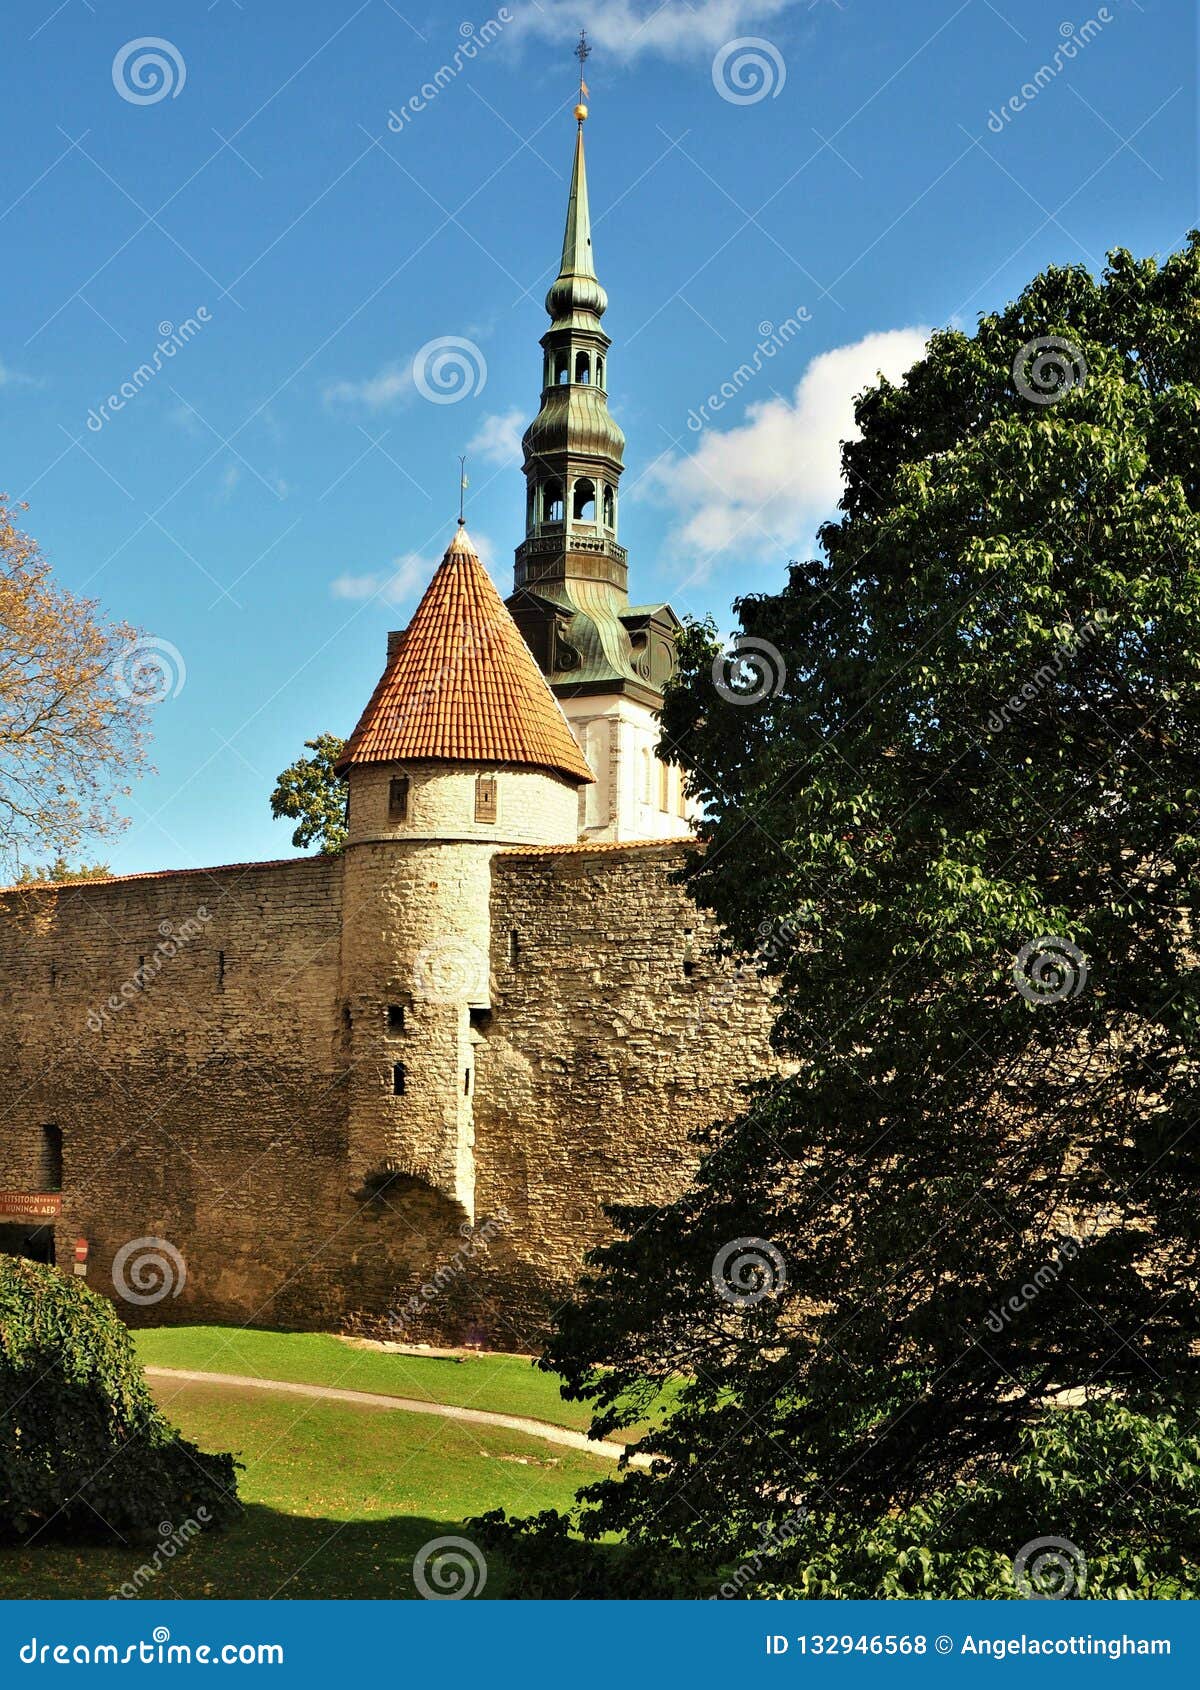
x: 265, y: 1554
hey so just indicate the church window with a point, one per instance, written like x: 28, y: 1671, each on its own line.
x: 466, y: 1082
x: 647, y: 775
x: 398, y: 798
x: 514, y: 948
x: 395, y: 1018
x: 664, y: 788
x: 50, y: 1173
x: 562, y: 368
x: 599, y: 372
x: 681, y: 798
x: 610, y: 508
x: 584, y: 509
x: 398, y: 1079
x: 583, y: 368
x: 485, y: 798
x: 552, y: 502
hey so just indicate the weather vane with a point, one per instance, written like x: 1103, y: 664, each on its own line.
x: 462, y: 490
x: 581, y: 53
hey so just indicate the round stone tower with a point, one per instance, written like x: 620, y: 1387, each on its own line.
x: 461, y: 751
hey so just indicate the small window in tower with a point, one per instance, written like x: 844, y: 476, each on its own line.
x: 664, y: 788
x: 514, y: 948
x: 599, y: 372
x: 50, y: 1175
x: 610, y: 508
x: 395, y: 1018
x: 585, y: 500
x: 485, y: 798
x: 398, y: 1079
x: 583, y: 368
x: 562, y: 368
x: 398, y: 798
x: 681, y: 798
x: 466, y: 1082
x: 552, y: 502
x: 647, y: 775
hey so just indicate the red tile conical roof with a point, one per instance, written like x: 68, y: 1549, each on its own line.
x: 463, y: 686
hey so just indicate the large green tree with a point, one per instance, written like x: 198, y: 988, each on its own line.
x: 933, y: 1295
x: 312, y: 794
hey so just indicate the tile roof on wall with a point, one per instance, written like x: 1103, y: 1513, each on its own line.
x: 462, y: 685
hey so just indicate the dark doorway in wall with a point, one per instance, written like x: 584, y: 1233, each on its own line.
x: 33, y: 1243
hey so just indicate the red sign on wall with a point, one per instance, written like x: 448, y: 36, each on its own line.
x: 30, y: 1206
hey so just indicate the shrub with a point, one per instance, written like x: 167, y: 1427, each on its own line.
x: 85, y: 1453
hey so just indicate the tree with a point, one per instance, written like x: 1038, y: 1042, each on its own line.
x: 84, y: 1451
x: 310, y: 792
x: 933, y: 1294
x: 60, y: 871
x: 73, y: 708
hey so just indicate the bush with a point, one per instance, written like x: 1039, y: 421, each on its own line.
x: 84, y: 1451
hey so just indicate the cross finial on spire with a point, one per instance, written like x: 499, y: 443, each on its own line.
x: 582, y: 51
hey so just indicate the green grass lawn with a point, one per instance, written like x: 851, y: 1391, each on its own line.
x: 503, y: 1384
x: 338, y: 1498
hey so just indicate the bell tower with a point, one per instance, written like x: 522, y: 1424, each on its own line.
x: 605, y: 659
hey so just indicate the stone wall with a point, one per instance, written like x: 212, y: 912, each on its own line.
x: 217, y: 1052
x: 182, y: 1031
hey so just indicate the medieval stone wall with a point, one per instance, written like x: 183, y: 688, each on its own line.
x: 182, y: 1032
x: 615, y: 1033
x: 215, y: 1049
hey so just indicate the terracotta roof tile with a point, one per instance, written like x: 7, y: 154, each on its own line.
x: 462, y: 685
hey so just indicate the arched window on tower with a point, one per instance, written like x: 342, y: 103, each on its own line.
x: 610, y: 508
x: 531, y: 508
x: 583, y: 368
x: 584, y: 507
x: 552, y: 502
x: 599, y: 372
x: 647, y: 775
x: 562, y: 368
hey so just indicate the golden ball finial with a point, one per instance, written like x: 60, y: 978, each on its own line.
x: 581, y: 112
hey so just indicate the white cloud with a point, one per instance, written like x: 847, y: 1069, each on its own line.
x: 14, y: 378
x: 629, y: 29
x: 770, y: 480
x: 497, y: 440
x: 385, y: 387
x: 406, y: 579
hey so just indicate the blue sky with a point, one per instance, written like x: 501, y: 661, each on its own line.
x: 276, y: 496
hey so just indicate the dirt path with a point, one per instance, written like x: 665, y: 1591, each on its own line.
x: 542, y: 1429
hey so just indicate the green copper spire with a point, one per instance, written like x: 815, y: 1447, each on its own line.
x: 577, y: 288
x: 572, y: 594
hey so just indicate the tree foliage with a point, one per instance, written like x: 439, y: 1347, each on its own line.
x: 310, y: 793
x: 73, y: 715
x: 84, y: 1451
x: 61, y: 871
x: 965, y: 1225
